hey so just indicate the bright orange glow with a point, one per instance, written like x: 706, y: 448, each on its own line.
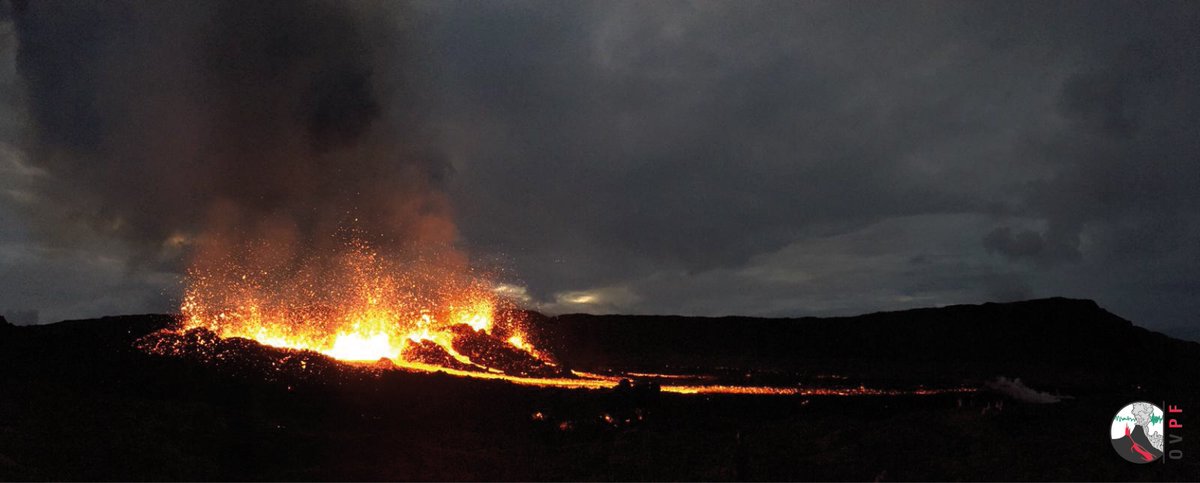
x: 519, y: 342
x: 854, y: 391
x: 359, y: 347
x: 360, y: 307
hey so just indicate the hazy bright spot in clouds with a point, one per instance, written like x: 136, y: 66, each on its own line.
x: 516, y: 293
x: 612, y: 299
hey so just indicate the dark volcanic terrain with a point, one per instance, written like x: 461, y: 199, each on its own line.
x: 78, y: 401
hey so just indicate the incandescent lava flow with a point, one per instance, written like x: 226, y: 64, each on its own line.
x: 361, y: 307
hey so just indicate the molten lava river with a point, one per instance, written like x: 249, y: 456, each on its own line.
x: 363, y: 309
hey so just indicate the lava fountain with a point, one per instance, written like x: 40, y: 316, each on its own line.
x: 356, y: 306
x: 361, y: 307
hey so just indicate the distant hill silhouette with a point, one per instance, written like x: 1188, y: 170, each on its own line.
x: 1053, y: 342
x: 1056, y: 340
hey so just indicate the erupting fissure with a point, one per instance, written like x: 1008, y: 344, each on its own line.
x: 421, y: 316
x: 361, y: 307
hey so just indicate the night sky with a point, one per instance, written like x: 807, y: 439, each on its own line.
x: 697, y: 158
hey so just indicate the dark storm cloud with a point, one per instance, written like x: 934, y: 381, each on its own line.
x: 287, y: 118
x: 1031, y: 245
x: 658, y: 152
x: 775, y: 158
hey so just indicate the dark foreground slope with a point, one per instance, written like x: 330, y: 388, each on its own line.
x: 78, y: 402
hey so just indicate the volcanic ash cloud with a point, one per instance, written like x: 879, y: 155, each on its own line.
x: 277, y: 148
x: 230, y: 126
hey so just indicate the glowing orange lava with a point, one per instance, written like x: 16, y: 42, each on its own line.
x: 361, y: 307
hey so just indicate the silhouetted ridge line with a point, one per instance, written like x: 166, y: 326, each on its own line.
x: 1052, y: 343
x: 1075, y: 340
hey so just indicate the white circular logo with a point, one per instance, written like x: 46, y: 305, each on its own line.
x: 1137, y: 432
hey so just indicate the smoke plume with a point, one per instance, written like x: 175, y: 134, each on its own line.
x: 226, y: 127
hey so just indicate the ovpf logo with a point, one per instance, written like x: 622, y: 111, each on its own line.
x: 1138, y: 432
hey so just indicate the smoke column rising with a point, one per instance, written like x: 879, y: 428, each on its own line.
x: 259, y: 130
